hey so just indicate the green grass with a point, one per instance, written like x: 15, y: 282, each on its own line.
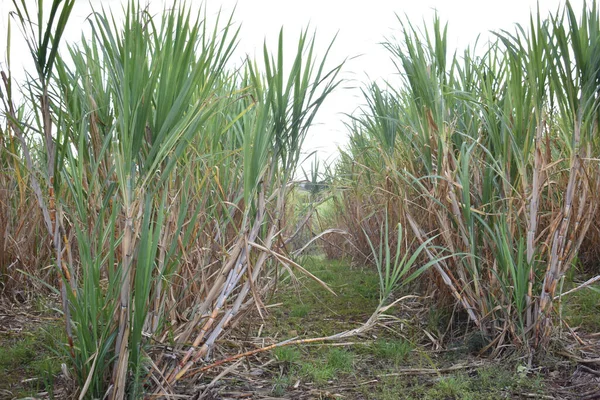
x: 287, y: 355
x: 454, y: 387
x: 317, y: 372
x: 369, y: 360
x: 28, y: 365
x: 335, y: 363
x: 319, y: 366
x: 581, y: 309
x: 300, y: 310
x: 438, y: 319
x: 395, y: 350
x: 308, y: 309
x: 281, y: 383
x: 311, y: 311
x: 340, y: 360
x: 487, y: 383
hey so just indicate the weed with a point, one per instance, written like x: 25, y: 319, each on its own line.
x: 320, y: 366
x: 28, y: 365
x: 453, y: 387
x: 340, y: 360
x: 369, y: 287
x: 280, y: 384
x: 437, y: 320
x: 395, y: 350
x: 326, y: 276
x: 336, y: 361
x: 317, y: 372
x: 582, y: 307
x: 300, y: 310
x: 287, y: 355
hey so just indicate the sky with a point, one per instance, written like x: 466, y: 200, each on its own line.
x: 359, y: 27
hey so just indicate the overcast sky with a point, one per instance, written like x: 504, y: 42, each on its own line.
x: 360, y: 27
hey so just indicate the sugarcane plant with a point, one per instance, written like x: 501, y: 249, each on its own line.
x: 167, y: 177
x: 492, y: 156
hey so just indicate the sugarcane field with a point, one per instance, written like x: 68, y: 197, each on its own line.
x: 299, y: 200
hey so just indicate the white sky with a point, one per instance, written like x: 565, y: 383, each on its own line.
x: 360, y: 25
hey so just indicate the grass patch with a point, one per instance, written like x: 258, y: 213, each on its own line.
x: 580, y: 309
x: 487, y: 383
x: 317, y: 372
x: 357, y: 296
x: 395, y: 350
x: 300, y: 310
x: 287, y: 355
x: 340, y: 360
x: 453, y: 387
x: 29, y: 364
x: 322, y: 369
x: 281, y: 383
